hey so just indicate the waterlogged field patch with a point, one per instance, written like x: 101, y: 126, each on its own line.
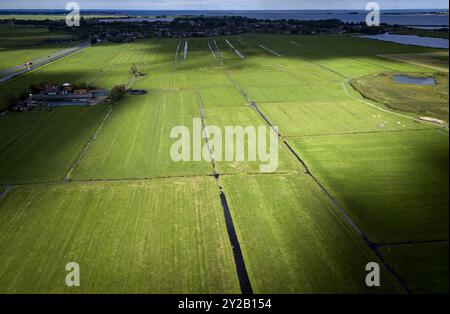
x: 165, y: 236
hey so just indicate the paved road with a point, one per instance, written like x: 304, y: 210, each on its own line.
x: 20, y: 69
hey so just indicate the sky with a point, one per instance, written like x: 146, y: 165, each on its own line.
x: 223, y: 4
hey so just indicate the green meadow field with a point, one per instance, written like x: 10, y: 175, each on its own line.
x: 97, y: 186
x: 430, y: 102
x: 19, y: 45
x: 164, y: 236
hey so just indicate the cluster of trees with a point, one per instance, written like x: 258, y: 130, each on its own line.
x: 11, y: 100
x: 135, y: 71
x: 117, y: 93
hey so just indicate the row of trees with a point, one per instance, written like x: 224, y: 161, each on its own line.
x: 94, y: 30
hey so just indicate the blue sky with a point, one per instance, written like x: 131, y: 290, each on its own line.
x: 221, y: 4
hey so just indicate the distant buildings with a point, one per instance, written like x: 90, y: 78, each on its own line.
x: 61, y: 95
x: 126, y: 30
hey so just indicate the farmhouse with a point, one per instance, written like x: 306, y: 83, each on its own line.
x: 62, y: 95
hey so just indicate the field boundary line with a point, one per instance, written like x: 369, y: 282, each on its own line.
x: 255, y: 174
x: 212, y: 51
x: 143, y: 179
x: 175, y: 65
x: 137, y: 179
x: 270, y: 50
x: 205, y: 135
x: 106, y: 180
x: 88, y: 144
x: 176, y: 53
x: 235, y: 50
x: 185, y: 50
x: 361, y: 132
x: 241, y: 269
x: 218, y: 54
x: 7, y: 189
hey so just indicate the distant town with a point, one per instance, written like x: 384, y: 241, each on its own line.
x: 131, y: 29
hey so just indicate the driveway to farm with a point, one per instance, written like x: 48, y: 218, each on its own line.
x: 23, y: 68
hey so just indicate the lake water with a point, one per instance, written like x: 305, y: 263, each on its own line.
x: 423, y: 18
x: 404, y: 79
x: 137, y: 20
x: 411, y: 40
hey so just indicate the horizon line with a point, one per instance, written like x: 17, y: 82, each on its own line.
x: 358, y: 9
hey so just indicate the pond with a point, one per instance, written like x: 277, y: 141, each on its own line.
x: 423, y: 81
x: 411, y: 40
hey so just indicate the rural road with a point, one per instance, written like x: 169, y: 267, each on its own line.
x: 20, y: 69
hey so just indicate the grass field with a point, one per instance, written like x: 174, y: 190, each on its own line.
x: 302, y: 246
x: 166, y: 236
x: 44, y: 150
x: 373, y: 174
x: 19, y: 45
x: 19, y: 36
x: 423, y: 265
x: 437, y: 61
x: 127, y: 208
x: 420, y: 100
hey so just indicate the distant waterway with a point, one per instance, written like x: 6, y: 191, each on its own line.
x: 136, y: 20
x: 421, y: 18
x: 423, y: 81
x: 411, y: 40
